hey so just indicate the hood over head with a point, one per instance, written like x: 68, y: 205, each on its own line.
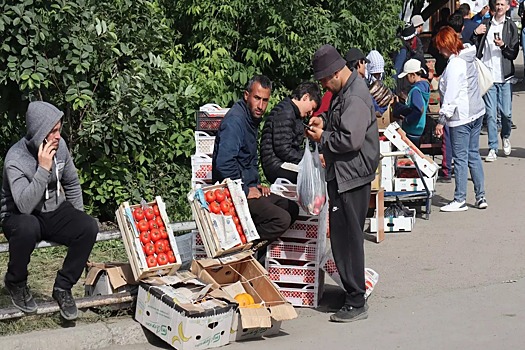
x: 41, y: 118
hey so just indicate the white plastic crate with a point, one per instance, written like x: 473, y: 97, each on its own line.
x: 305, y: 296
x: 204, y: 143
x: 305, y: 274
x: 201, y: 167
x: 293, y: 250
x: 400, y: 224
x: 303, y: 229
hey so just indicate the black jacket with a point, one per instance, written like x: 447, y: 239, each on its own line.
x: 510, y: 37
x: 282, y: 138
x: 235, y: 151
x: 351, y: 140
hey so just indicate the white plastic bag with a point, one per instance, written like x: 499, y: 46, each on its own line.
x: 311, y: 187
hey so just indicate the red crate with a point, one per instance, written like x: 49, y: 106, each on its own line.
x: 292, y: 250
x: 292, y: 274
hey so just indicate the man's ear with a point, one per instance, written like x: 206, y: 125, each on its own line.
x: 306, y: 97
x: 246, y: 93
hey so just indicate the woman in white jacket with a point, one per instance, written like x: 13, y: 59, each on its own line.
x: 462, y: 109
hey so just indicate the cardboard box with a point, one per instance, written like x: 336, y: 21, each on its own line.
x: 243, y: 269
x: 414, y: 184
x: 384, y: 121
x: 134, y: 250
x: 399, y: 224
x: 218, y: 231
x: 108, y: 278
x: 172, y: 314
x: 376, y: 184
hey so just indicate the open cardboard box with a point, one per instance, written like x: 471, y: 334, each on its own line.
x: 187, y: 314
x: 213, y: 228
x: 134, y: 250
x: 108, y: 278
x: 244, y: 269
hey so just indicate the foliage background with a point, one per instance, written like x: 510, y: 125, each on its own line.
x: 129, y: 76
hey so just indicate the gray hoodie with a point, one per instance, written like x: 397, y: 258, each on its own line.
x: 27, y: 187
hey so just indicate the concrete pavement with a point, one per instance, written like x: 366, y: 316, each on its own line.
x: 455, y: 282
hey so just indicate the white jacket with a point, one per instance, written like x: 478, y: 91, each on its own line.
x: 461, y: 100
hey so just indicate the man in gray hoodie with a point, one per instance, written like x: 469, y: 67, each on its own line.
x: 42, y: 200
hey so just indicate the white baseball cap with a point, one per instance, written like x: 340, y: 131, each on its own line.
x: 411, y: 66
x: 417, y: 21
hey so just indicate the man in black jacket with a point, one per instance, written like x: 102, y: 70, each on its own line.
x: 283, y: 133
x: 350, y: 141
x: 235, y: 156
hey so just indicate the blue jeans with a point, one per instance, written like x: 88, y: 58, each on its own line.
x: 498, y: 100
x: 465, y: 152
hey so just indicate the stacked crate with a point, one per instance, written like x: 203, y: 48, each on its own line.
x: 293, y: 261
x: 208, y: 120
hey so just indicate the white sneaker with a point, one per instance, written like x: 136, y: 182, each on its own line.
x: 454, y: 206
x: 491, y: 156
x: 507, y: 148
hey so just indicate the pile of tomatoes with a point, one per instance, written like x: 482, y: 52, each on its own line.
x: 153, y: 236
x: 220, y: 202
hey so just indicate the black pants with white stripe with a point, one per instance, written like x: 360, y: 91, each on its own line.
x: 347, y: 219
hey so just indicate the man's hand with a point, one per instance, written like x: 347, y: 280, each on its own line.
x: 481, y: 29
x: 46, y: 153
x: 317, y: 122
x: 321, y: 158
x: 499, y: 43
x: 253, y: 193
x: 439, y: 130
x: 265, y: 190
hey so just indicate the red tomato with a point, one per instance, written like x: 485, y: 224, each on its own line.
x: 227, y: 193
x: 167, y: 244
x: 160, y: 247
x: 151, y: 261
x: 149, y: 249
x: 153, y: 224
x: 239, y: 229
x: 155, y: 235
x: 215, y: 208
x: 243, y: 238
x: 210, y: 196
x: 149, y: 214
x: 143, y: 226
x: 219, y: 195
x: 145, y: 237
x: 138, y: 214
x: 159, y: 221
x: 171, y: 257
x: 156, y: 210
x: 162, y: 259
x: 236, y: 220
x: 163, y: 233
x: 225, y: 208
x: 232, y: 211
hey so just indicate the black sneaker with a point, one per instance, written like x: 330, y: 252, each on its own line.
x: 513, y: 126
x: 349, y: 313
x: 68, y: 308
x: 21, y: 296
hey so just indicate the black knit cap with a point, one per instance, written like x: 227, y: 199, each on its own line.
x: 327, y: 60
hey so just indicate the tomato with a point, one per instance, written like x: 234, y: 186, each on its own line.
x: 171, y: 257
x: 243, y: 238
x: 227, y: 193
x: 153, y: 224
x: 159, y: 221
x: 151, y: 261
x: 160, y: 247
x: 138, y: 214
x: 167, y: 244
x: 149, y: 249
x: 156, y: 210
x: 236, y: 220
x: 225, y: 208
x: 215, y: 208
x: 143, y: 226
x: 239, y: 229
x: 219, y: 195
x: 232, y: 211
x: 149, y: 214
x: 145, y: 237
x: 162, y: 259
x: 155, y: 235
x: 163, y: 233
x: 210, y: 196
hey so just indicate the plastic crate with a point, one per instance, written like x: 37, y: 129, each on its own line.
x: 306, y: 296
x: 292, y: 250
x: 201, y: 166
x: 204, y: 143
x: 303, y: 229
x: 305, y: 274
x: 209, y: 117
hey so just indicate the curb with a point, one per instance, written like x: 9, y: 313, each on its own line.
x: 86, y: 336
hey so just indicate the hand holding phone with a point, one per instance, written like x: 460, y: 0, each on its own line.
x: 45, y: 155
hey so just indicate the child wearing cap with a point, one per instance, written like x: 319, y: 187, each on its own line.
x: 413, y: 112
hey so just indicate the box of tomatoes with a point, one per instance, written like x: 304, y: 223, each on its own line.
x: 148, y: 239
x: 223, y: 218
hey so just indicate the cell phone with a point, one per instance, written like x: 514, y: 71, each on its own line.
x: 496, y: 36
x: 306, y: 126
x: 44, y: 142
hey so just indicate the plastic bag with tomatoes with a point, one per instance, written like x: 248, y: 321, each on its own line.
x: 311, y: 186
